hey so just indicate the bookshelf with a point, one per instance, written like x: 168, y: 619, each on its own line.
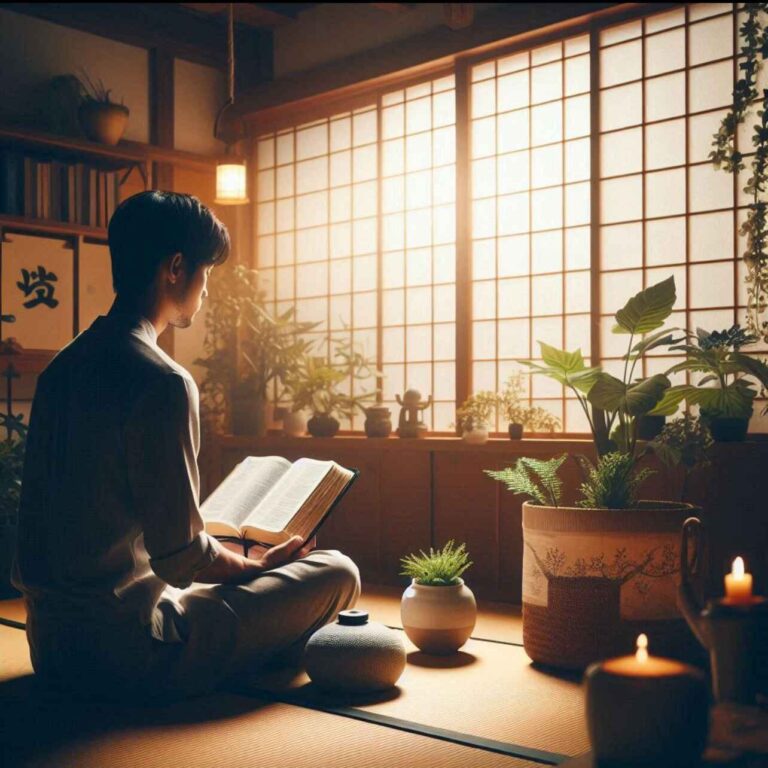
x: 120, y: 159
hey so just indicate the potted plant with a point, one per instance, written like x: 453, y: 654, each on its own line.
x: 100, y: 118
x: 519, y: 416
x: 724, y: 395
x: 248, y: 348
x: 474, y: 415
x: 438, y: 610
x: 600, y: 568
x: 314, y: 384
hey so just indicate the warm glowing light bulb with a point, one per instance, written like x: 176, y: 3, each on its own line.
x: 737, y: 569
x: 231, y: 186
x: 642, y: 648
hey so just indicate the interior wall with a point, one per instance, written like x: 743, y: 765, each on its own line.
x: 335, y: 30
x: 32, y: 51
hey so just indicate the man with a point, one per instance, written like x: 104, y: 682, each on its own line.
x: 112, y: 557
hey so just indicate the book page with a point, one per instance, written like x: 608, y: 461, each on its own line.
x: 293, y: 489
x: 243, y: 489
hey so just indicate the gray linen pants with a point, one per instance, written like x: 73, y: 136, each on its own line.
x: 226, y: 633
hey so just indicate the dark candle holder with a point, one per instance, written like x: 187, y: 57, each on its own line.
x: 734, y: 634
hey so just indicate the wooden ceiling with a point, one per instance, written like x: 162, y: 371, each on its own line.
x: 253, y: 14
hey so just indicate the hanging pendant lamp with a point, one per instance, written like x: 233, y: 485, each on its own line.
x: 231, y: 176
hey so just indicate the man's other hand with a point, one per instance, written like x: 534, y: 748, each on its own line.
x: 287, y: 552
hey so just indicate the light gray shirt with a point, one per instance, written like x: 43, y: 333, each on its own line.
x: 109, y: 514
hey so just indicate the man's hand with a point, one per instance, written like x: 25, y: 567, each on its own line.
x: 287, y: 552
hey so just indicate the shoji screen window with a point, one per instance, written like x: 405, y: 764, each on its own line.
x: 530, y: 160
x: 317, y: 227
x: 418, y: 245
x: 666, y: 82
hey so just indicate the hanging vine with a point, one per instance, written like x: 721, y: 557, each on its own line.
x: 726, y: 156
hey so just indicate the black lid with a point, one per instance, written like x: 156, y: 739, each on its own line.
x: 353, y: 618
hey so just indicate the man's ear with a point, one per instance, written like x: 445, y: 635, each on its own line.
x: 176, y: 266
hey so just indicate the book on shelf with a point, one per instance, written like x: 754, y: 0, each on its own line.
x: 267, y: 499
x: 48, y: 189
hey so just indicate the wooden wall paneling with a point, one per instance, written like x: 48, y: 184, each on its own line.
x: 406, y: 500
x: 465, y: 509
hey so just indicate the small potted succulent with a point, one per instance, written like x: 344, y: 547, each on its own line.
x: 474, y: 416
x: 101, y: 119
x: 725, y: 394
x: 438, y: 609
x: 521, y: 417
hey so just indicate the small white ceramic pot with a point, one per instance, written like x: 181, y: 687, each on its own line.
x: 295, y: 424
x: 476, y: 436
x: 438, y: 620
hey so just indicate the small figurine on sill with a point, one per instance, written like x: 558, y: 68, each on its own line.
x: 410, y: 423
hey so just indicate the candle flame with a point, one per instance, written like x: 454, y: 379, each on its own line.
x: 737, y: 569
x: 642, y: 648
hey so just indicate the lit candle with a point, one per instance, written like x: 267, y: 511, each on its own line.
x: 646, y: 710
x: 738, y: 584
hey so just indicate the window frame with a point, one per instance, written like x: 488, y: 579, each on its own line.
x: 324, y: 106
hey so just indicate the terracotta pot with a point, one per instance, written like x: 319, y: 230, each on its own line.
x: 438, y: 620
x: 594, y: 579
x: 295, y: 424
x: 515, y: 431
x: 323, y: 425
x: 102, y: 122
x: 475, y: 436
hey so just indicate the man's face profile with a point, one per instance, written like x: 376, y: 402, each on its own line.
x: 192, y: 289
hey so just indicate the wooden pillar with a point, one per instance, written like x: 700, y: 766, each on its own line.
x: 161, y: 129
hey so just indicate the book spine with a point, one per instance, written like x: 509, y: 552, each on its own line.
x: 80, y: 193
x: 93, y: 197
x: 71, y: 195
x: 28, y: 197
x: 13, y: 183
x: 54, y: 190
x: 41, y: 191
x: 4, y: 165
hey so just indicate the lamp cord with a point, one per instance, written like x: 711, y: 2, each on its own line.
x: 231, y: 49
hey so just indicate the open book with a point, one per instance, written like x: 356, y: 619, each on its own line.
x: 268, y: 499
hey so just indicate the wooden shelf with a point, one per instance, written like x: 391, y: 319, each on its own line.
x: 50, y: 227
x: 124, y: 154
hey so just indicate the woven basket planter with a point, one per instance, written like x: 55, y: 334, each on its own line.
x: 594, y: 579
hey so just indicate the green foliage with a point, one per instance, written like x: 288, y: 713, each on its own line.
x: 684, y: 441
x: 612, y: 405
x: 533, y: 418
x: 247, y: 347
x: 725, y: 390
x: 477, y: 411
x: 724, y: 155
x: 11, y: 465
x: 439, y: 568
x: 611, y: 484
x: 315, y: 384
x: 94, y: 90
x: 534, y: 478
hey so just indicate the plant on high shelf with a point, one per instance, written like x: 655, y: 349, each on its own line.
x: 101, y: 119
x: 725, y: 394
x: 248, y: 347
x: 438, y: 610
x: 585, y: 553
x: 474, y: 415
x: 521, y: 417
x: 725, y: 155
x: 317, y: 384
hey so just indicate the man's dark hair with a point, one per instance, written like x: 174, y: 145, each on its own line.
x: 150, y: 226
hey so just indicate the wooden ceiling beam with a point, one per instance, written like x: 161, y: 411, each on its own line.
x: 250, y: 14
x: 163, y: 26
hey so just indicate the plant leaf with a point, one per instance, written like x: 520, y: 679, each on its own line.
x: 671, y: 400
x: 647, y: 310
x: 611, y: 394
x: 658, y: 339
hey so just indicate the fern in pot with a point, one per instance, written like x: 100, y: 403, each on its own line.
x: 438, y: 609
x: 601, y: 567
x: 101, y: 119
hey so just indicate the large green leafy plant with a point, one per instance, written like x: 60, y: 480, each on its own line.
x: 247, y: 346
x: 612, y: 405
x: 726, y: 389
